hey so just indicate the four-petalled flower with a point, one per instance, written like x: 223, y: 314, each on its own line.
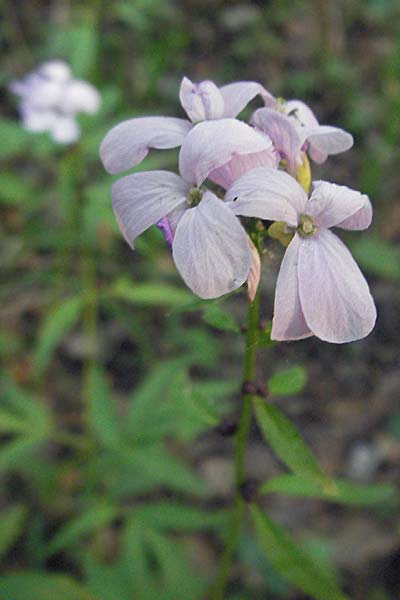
x: 320, y: 289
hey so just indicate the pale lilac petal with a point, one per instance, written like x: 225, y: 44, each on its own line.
x: 128, y: 143
x: 210, y: 249
x: 237, y: 96
x: 143, y: 199
x: 335, y: 297
x: 288, y: 322
x: 300, y: 113
x: 65, y: 130
x: 283, y: 134
x: 201, y: 101
x: 56, y: 70
x: 331, y: 204
x: 267, y: 194
x: 80, y: 96
x: 362, y: 219
x: 37, y: 121
x: 213, y: 144
x: 325, y: 140
x: 253, y: 278
x: 240, y: 164
x: 164, y: 226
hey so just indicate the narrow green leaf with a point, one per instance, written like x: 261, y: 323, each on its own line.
x: 334, y: 490
x: 285, y: 440
x: 17, y: 451
x: 11, y: 522
x: 93, y: 519
x: 148, y: 294
x: 54, y: 327
x: 179, y: 517
x: 287, y: 382
x: 17, y: 138
x: 42, y: 586
x: 219, y: 319
x: 291, y: 562
x: 13, y: 189
x: 102, y: 415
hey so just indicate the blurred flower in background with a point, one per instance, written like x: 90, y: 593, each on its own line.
x: 50, y: 100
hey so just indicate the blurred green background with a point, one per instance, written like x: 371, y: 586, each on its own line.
x: 113, y: 475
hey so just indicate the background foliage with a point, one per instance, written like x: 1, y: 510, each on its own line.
x: 114, y: 473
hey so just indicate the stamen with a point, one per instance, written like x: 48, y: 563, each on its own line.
x: 306, y: 226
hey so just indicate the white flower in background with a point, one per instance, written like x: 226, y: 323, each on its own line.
x: 50, y: 100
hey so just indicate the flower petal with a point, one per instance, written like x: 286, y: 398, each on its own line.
x: 80, y: 96
x: 267, y: 194
x: 241, y: 163
x: 324, y: 140
x: 212, y: 144
x: 335, y: 297
x: 65, y: 130
x: 143, y: 199
x: 201, y: 100
x: 300, y: 113
x: 288, y: 322
x: 283, y: 134
x: 362, y: 219
x: 37, y: 120
x: 210, y: 249
x: 332, y: 204
x: 128, y: 143
x: 237, y: 96
x: 253, y: 278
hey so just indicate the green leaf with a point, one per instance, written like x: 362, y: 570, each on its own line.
x: 83, y: 47
x: 152, y: 467
x: 21, y: 411
x: 17, y: 138
x: 148, y: 294
x: 285, y: 440
x: 219, y: 319
x: 291, y: 562
x: 42, y: 586
x: 179, y: 517
x: 11, y: 522
x: 17, y: 451
x: 102, y: 415
x: 287, y: 382
x: 334, y: 490
x: 93, y: 519
x: 14, y: 189
x: 53, y: 329
x: 378, y: 257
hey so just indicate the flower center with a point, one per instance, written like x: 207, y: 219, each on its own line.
x: 194, y: 196
x: 306, y: 226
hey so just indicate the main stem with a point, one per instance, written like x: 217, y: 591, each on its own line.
x: 241, y: 438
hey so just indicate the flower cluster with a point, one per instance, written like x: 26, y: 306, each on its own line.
x: 50, y: 100
x: 230, y: 169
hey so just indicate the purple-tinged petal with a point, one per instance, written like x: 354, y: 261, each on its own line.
x: 288, y: 322
x: 65, y: 130
x: 332, y: 204
x: 36, y: 121
x: 267, y: 194
x: 201, y: 101
x: 240, y: 164
x: 335, y: 297
x: 213, y: 144
x: 165, y: 228
x: 325, y: 140
x: 300, y: 113
x: 362, y: 219
x: 127, y: 144
x: 253, y: 278
x: 283, y: 134
x: 210, y: 249
x: 143, y: 199
x: 237, y: 96
x: 80, y: 96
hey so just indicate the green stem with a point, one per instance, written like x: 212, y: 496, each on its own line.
x: 241, y: 438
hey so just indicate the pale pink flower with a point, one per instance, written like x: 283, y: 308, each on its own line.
x: 209, y: 245
x: 50, y: 100
x: 128, y: 143
x: 320, y: 289
x: 294, y: 128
